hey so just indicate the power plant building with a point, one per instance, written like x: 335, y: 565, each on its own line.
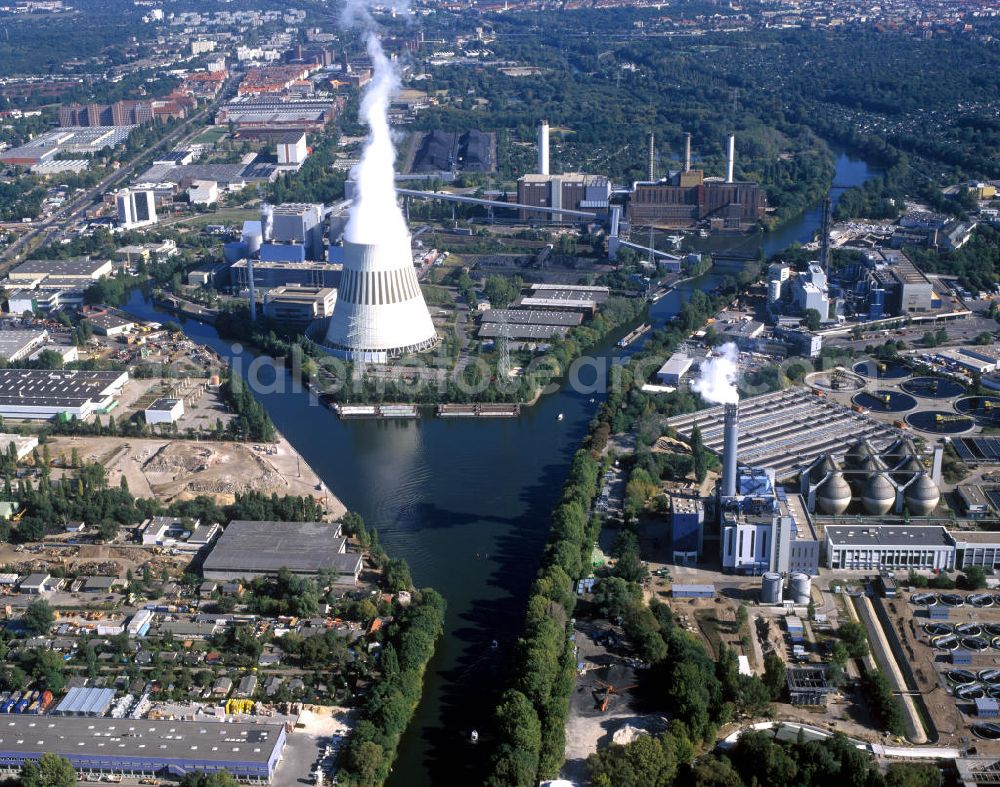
x: 571, y: 191
x: 687, y: 529
x: 685, y: 198
x: 298, y: 224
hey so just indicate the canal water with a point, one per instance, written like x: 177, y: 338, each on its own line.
x: 466, y: 503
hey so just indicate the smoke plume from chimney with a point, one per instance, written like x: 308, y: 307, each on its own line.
x: 717, y: 379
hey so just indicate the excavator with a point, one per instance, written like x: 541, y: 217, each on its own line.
x: 608, y: 691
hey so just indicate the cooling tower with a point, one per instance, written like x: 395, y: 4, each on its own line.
x: 380, y: 311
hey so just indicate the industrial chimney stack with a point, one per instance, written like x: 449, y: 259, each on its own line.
x: 687, y: 152
x: 731, y: 159
x: 730, y: 449
x: 652, y: 171
x: 543, y: 148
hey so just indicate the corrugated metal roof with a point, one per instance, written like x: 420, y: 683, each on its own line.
x: 86, y: 701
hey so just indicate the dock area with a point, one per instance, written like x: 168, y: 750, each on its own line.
x: 478, y: 410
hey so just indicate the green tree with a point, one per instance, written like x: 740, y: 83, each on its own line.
x: 973, y: 578
x: 38, y: 617
x: 397, y: 575
x: 50, y: 770
x: 855, y: 638
x: 812, y: 319
x: 774, y: 676
x: 614, y: 595
x: 698, y: 455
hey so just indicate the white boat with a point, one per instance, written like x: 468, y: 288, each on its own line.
x: 474, y: 737
x: 559, y: 417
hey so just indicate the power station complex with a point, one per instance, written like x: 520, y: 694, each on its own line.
x: 857, y: 494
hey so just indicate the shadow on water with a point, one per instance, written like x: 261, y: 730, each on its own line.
x: 441, y: 492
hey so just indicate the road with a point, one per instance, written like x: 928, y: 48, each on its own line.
x: 73, y: 210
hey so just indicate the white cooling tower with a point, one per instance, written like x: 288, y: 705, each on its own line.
x: 380, y: 311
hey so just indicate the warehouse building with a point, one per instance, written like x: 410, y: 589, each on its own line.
x: 674, y: 369
x: 18, y: 344
x: 889, y: 546
x: 42, y: 394
x: 80, y: 269
x: 261, y: 549
x: 572, y: 297
x: 164, y: 411
x: 250, y: 751
x: 85, y: 702
x: 297, y: 304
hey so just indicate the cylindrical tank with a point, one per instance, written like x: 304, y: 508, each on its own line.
x: 834, y: 495
x: 864, y: 469
x: 898, y: 451
x: 770, y: 588
x: 879, y: 494
x: 922, y: 496
x: 800, y: 588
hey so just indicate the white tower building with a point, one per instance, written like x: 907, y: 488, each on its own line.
x: 136, y: 208
x: 380, y: 311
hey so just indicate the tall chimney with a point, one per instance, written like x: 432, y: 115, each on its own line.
x: 253, y: 291
x: 652, y: 171
x: 731, y: 159
x: 824, y: 241
x: 730, y: 449
x: 687, y: 152
x: 543, y: 148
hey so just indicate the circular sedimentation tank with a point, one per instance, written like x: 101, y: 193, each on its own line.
x: 834, y: 495
x: 947, y: 642
x: 989, y: 675
x: 969, y: 629
x: 993, y: 628
x: 987, y: 731
x: 879, y: 494
x: 981, y: 600
x: 939, y: 422
x: 993, y: 691
x: 951, y: 600
x: 933, y: 388
x: 984, y: 410
x: 927, y: 600
x: 973, y: 692
x: 961, y: 677
x: 975, y: 643
x: 885, y: 401
x: 938, y: 629
x: 882, y: 370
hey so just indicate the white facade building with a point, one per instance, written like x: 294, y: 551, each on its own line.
x: 136, y: 208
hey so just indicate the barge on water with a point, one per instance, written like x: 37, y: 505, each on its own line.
x: 394, y: 411
x: 478, y: 410
x: 625, y: 341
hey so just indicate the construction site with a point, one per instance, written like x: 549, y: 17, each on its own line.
x: 173, y: 470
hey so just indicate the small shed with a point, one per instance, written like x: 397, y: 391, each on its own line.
x: 987, y: 708
x: 693, y: 591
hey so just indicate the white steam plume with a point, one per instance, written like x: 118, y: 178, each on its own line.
x: 375, y: 216
x: 717, y: 379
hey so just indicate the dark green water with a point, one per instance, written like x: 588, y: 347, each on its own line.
x: 466, y: 503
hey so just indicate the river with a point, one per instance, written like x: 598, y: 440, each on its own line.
x: 466, y: 503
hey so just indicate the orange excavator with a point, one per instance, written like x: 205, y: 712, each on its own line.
x: 608, y: 691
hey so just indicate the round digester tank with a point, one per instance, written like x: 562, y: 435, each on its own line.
x: 800, y: 588
x: 879, y: 494
x: 834, y: 495
x: 770, y: 588
x: 922, y: 495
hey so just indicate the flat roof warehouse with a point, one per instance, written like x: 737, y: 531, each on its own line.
x: 247, y: 750
x: 39, y: 393
x: 251, y: 549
